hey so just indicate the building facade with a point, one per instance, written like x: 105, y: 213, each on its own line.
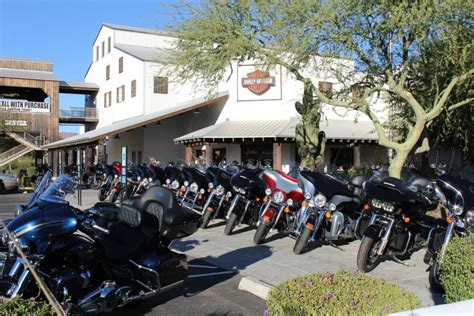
x: 250, y: 117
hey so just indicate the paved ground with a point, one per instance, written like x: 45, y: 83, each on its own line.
x: 209, y: 290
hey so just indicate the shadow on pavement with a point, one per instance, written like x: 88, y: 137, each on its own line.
x: 232, y: 261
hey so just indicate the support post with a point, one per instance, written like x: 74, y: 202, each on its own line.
x: 356, y: 156
x: 277, y: 156
x: 189, y: 154
x: 208, y: 157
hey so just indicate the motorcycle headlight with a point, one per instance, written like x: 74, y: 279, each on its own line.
x: 376, y: 203
x: 469, y: 217
x: 202, y: 191
x: 268, y: 191
x: 194, y: 187
x: 242, y: 191
x: 210, y: 185
x: 457, y: 209
x: 186, y: 183
x: 289, y: 202
x: 175, y: 185
x: 320, y: 200
x: 278, y: 197
x: 4, y: 237
x: 229, y: 194
x: 388, y: 207
x: 236, y: 189
x: 220, y: 190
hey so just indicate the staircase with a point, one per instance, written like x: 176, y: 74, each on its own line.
x: 28, y: 143
x: 14, y: 153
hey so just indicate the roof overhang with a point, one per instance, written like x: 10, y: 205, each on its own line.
x: 96, y: 135
x: 343, y: 131
x: 77, y: 87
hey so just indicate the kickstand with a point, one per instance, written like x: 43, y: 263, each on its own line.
x: 335, y: 246
x: 401, y: 262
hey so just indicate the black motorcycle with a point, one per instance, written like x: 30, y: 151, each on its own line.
x: 220, y: 192
x: 193, y: 193
x: 121, y: 256
x: 456, y: 195
x: 249, y: 192
x: 111, y: 187
x: 333, y: 209
x: 398, y: 225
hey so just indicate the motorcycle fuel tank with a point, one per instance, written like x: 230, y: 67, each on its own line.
x: 41, y: 225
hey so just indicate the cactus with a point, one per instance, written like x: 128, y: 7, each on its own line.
x: 309, y: 140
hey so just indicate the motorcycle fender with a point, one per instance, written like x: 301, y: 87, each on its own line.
x: 373, y: 231
x: 269, y: 215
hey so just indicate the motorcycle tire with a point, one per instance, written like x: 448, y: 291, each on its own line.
x: 302, y: 241
x: 231, y: 223
x: 364, y: 261
x: 114, y: 196
x: 261, y: 233
x: 102, y: 195
x: 433, y: 276
x: 206, y: 219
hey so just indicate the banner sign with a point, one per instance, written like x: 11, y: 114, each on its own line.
x: 258, y: 83
x: 24, y: 106
x: 15, y: 123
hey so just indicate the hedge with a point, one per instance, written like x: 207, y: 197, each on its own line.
x: 342, y: 293
x: 19, y: 306
x: 457, y: 270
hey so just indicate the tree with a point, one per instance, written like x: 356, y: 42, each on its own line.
x: 388, y: 41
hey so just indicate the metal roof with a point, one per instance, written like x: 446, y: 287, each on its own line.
x: 145, y: 53
x: 137, y: 121
x: 70, y: 86
x: 261, y: 129
x: 138, y: 29
x: 27, y: 74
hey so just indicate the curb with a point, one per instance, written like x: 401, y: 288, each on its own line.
x: 255, y: 286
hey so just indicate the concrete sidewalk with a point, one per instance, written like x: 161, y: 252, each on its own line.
x: 274, y: 261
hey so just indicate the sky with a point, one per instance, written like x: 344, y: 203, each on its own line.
x: 62, y: 31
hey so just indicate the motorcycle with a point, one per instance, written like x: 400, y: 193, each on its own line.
x: 455, y: 194
x: 220, y: 192
x: 193, y: 191
x: 332, y: 209
x: 99, y: 259
x: 111, y: 187
x: 398, y: 225
x: 249, y: 190
x: 42, y: 186
x: 283, y: 196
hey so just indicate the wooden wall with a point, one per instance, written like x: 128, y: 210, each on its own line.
x: 26, y: 64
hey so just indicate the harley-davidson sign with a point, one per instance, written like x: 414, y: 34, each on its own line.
x: 258, y: 82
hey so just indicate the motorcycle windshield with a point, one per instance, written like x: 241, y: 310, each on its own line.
x: 57, y: 191
x: 40, y: 189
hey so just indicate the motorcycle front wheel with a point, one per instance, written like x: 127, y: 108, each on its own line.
x: 302, y: 240
x: 433, y: 276
x: 231, y: 223
x: 367, y: 257
x: 206, y: 219
x: 261, y: 233
x: 102, y: 195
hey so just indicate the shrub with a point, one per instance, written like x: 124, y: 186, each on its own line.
x: 342, y: 293
x: 21, y: 306
x: 457, y: 270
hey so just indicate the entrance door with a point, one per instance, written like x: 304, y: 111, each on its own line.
x: 257, y: 154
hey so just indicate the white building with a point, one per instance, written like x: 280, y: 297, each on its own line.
x: 252, y: 116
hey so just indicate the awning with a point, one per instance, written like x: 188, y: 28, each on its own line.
x: 135, y: 122
x: 283, y: 130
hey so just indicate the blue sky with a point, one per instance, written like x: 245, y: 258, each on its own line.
x: 62, y: 31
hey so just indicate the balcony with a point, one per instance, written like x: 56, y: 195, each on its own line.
x: 78, y: 115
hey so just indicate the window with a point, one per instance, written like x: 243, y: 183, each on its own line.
x: 139, y: 156
x: 107, y: 72
x: 107, y: 99
x: 96, y: 53
x: 103, y: 49
x: 109, y: 44
x: 133, y: 88
x: 160, y: 85
x: 120, y: 94
x: 120, y: 65
x: 326, y: 88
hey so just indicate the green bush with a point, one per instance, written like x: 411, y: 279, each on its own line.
x: 20, y: 306
x: 342, y: 293
x: 457, y: 270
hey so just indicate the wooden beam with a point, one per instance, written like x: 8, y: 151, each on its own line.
x: 277, y: 156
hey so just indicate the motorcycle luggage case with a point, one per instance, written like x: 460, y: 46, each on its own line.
x: 172, y: 267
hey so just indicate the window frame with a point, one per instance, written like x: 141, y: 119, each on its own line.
x: 120, y: 65
x: 160, y: 85
x: 133, y: 88
x: 107, y: 72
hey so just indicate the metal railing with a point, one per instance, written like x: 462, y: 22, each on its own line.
x: 38, y: 140
x: 78, y: 112
x: 11, y: 152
